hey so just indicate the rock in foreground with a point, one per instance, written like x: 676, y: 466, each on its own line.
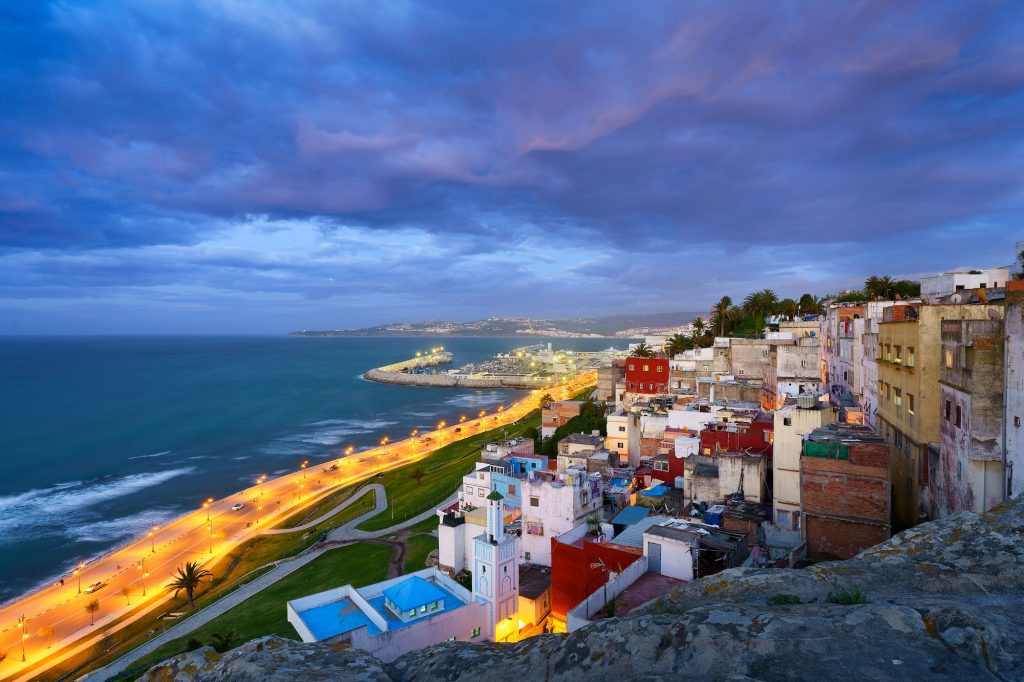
x: 944, y: 600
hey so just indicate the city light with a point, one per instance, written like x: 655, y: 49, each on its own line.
x: 206, y: 506
x: 152, y: 537
x: 78, y: 572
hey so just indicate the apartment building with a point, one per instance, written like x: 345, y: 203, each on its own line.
x: 793, y: 422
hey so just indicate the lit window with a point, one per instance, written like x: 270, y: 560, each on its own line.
x: 647, y: 368
x: 910, y: 356
x: 433, y: 606
x: 949, y: 358
x: 631, y: 367
x: 476, y: 631
x: 660, y: 368
x: 910, y: 403
x: 412, y: 612
x: 423, y: 609
x: 898, y: 397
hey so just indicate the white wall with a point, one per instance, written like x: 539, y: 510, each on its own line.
x: 676, y: 556
x: 1013, y: 400
x: 579, y: 616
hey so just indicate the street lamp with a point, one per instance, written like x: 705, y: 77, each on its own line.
x: 211, y: 537
x: 78, y: 572
x: 384, y: 440
x: 142, y: 567
x: 260, y: 480
x: 462, y: 419
x: 152, y: 538
x: 441, y: 424
x: 206, y: 506
x: 23, y: 624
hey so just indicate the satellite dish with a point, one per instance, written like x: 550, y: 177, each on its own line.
x: 956, y: 298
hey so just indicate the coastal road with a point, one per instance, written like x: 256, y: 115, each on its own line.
x: 43, y: 626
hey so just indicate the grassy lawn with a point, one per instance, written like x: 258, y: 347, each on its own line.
x: 425, y: 526
x: 417, y: 547
x: 264, y: 613
x: 443, y: 471
x: 320, y: 508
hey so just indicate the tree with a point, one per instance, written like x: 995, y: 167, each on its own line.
x: 810, y: 305
x: 677, y: 344
x: 127, y: 592
x: 788, y: 308
x: 642, y: 350
x: 91, y: 608
x: 223, y: 641
x: 699, y: 326
x: 881, y: 287
x: 759, y: 305
x: 45, y: 633
x: 417, y: 475
x: 546, y: 398
x: 3, y: 656
x: 188, y: 578
x: 907, y: 288
x: 723, y: 313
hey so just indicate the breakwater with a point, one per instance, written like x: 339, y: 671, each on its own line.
x: 429, y: 360
x: 456, y: 380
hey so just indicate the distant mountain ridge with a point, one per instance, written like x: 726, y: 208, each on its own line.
x: 606, y: 325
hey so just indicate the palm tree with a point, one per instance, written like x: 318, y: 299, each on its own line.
x: 721, y: 313
x: 642, y: 350
x: 810, y: 305
x: 760, y: 304
x: 188, y: 578
x: 788, y: 307
x: 699, y: 326
x: 91, y: 608
x: 879, y: 287
x: 677, y: 343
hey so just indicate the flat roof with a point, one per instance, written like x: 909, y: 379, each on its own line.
x: 533, y: 582
x: 336, y: 618
x: 631, y: 515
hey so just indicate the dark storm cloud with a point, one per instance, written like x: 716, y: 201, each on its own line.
x: 521, y: 147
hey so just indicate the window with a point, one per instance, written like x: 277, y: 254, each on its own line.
x: 764, y: 353
x: 949, y: 358
x: 475, y: 633
x: 959, y: 415
x: 622, y: 429
x: 898, y: 397
x: 534, y: 501
x: 480, y: 492
x: 412, y: 612
x: 526, y: 556
x: 910, y: 356
x: 631, y: 387
x: 660, y: 368
x: 647, y: 368
x: 740, y: 372
x: 423, y: 609
x: 947, y: 410
x: 787, y: 421
x: 1016, y: 422
x: 897, y: 438
x: 910, y: 403
x: 511, y: 490
x: 433, y: 606
x: 632, y: 367
x: 888, y: 353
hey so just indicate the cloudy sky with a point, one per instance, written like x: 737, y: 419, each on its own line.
x: 258, y: 166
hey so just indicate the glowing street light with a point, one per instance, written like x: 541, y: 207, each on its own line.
x: 145, y: 574
x: 414, y: 432
x: 23, y: 624
x: 78, y: 572
x: 152, y: 538
x: 206, y: 506
x: 441, y: 424
x: 305, y: 463
x: 462, y: 419
x: 384, y: 440
x: 349, y: 449
x: 260, y: 480
x: 211, y: 537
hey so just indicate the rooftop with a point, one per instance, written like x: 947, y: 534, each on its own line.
x: 414, y: 592
x: 533, y: 581
x: 631, y: 514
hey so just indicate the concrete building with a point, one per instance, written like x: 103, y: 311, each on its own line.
x: 1014, y: 384
x: 792, y: 371
x: 647, y: 376
x: 496, y: 573
x: 844, y: 491
x: 685, y: 551
x: 729, y: 388
x: 623, y: 437
x: 971, y: 471
x: 554, y: 504
x: 488, y: 476
x: 712, y: 478
x: 792, y: 423
x: 393, y: 617
x: 746, y: 359
x: 534, y: 595
x: 935, y: 287
x: 910, y: 356
x: 608, y: 377
x: 689, y: 366
x: 513, y: 446
x: 557, y: 413
x: 842, y: 329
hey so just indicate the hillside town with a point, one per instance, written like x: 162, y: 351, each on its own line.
x: 778, y: 434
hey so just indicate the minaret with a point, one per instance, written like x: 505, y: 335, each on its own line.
x: 496, y: 573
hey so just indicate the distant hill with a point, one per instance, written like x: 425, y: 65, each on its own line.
x: 516, y: 326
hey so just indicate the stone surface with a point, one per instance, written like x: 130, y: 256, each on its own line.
x: 943, y: 600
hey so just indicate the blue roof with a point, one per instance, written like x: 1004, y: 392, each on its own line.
x: 656, y: 491
x: 631, y: 515
x: 414, y: 592
x: 336, y: 618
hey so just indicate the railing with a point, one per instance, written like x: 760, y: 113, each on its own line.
x: 580, y: 615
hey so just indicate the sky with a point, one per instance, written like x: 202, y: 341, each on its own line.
x: 251, y: 166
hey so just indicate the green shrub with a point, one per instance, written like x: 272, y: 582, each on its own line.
x: 783, y: 599
x: 847, y: 597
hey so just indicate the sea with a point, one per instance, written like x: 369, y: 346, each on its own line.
x: 101, y: 437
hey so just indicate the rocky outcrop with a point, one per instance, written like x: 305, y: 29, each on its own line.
x: 943, y: 600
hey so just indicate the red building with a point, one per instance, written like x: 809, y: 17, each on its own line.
x: 647, y: 375
x: 582, y: 566
x: 756, y: 437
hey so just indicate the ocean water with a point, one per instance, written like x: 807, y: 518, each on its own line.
x: 101, y: 437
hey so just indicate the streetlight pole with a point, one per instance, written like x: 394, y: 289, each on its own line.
x: 23, y: 624
x: 211, y: 537
x: 78, y: 572
x: 209, y: 501
x: 142, y: 567
x: 152, y: 538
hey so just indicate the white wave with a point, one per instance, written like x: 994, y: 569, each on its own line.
x: 240, y: 458
x: 57, y: 504
x: 335, y: 431
x: 155, y: 454
x: 120, y: 529
x: 476, y: 399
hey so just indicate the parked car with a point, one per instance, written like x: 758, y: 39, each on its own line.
x: 236, y: 506
x: 95, y: 587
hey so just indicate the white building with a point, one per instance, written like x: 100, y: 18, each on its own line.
x: 792, y: 423
x: 496, y: 573
x: 623, y: 428
x: 554, y: 504
x: 934, y: 287
x: 393, y: 617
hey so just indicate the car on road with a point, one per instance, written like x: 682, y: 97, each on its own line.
x: 236, y: 506
x: 95, y: 587
x: 381, y: 475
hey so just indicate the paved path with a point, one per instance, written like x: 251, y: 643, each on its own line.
x: 381, y: 505
x: 339, y: 537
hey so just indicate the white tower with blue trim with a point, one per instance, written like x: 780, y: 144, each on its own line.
x: 496, y: 573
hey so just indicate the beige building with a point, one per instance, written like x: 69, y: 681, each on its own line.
x: 792, y: 423
x: 909, y: 361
